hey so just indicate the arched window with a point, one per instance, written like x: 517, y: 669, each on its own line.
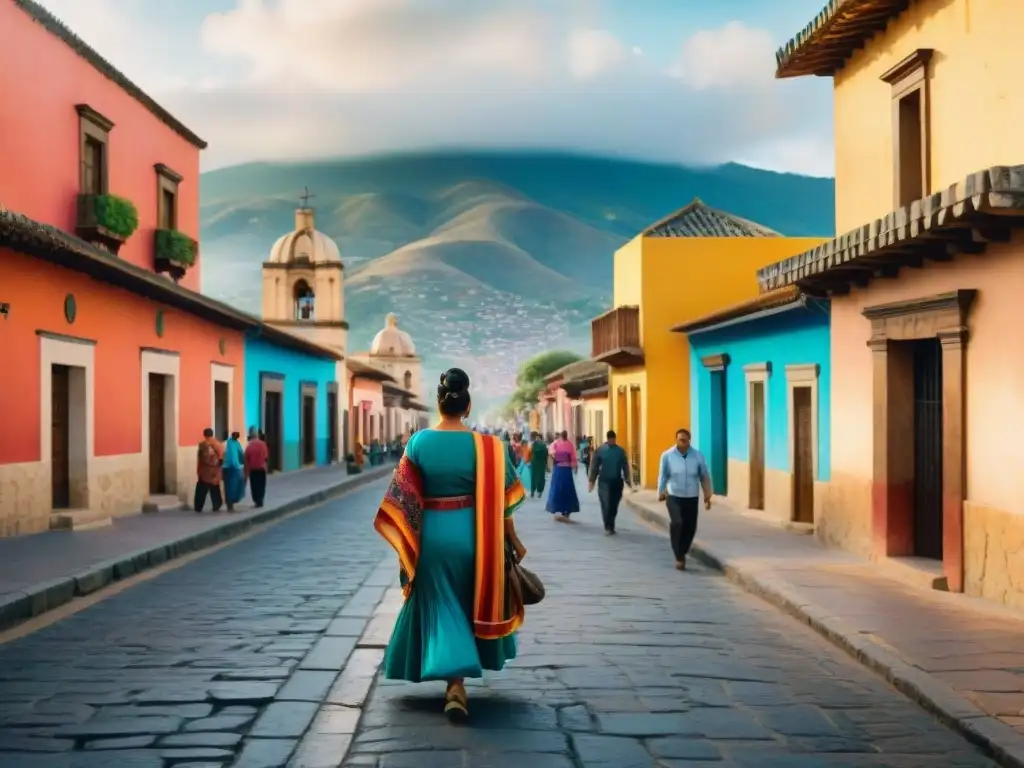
x: 305, y: 302
x: 408, y: 380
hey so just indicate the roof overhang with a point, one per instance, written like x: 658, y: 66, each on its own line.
x: 765, y: 305
x: 595, y: 392
x: 576, y: 387
x: 823, y: 46
x: 42, y: 241
x: 621, y: 357
x: 576, y: 370
x: 360, y: 370
x: 984, y: 208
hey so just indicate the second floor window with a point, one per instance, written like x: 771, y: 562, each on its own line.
x: 167, y: 182
x: 93, y: 143
x: 92, y: 167
x: 911, y: 129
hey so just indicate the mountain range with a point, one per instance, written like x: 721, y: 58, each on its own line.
x: 486, y: 257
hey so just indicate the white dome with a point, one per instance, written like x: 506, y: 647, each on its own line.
x: 392, y: 342
x: 304, y: 244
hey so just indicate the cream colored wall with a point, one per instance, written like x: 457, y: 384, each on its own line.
x: 627, y: 288
x: 976, y: 110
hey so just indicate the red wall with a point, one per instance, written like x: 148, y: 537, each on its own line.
x: 41, y: 81
x: 122, y: 323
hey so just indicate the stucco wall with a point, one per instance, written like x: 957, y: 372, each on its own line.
x: 994, y: 414
x: 296, y: 367
x: 40, y: 151
x: 974, y: 80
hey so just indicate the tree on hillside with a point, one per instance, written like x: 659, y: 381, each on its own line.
x: 530, y: 378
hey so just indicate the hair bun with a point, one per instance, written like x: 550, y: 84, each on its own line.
x: 454, y: 381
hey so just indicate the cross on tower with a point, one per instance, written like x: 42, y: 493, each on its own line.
x: 305, y: 197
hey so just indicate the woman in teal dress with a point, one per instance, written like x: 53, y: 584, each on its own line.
x: 448, y: 514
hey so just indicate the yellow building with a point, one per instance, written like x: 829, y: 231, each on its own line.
x: 927, y: 406
x: 689, y: 264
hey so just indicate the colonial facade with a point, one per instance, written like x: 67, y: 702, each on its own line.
x: 574, y: 392
x: 924, y: 286
x: 121, y: 363
x: 649, y: 386
x: 760, y: 385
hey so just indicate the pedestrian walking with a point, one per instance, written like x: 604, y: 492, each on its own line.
x: 256, y: 456
x: 610, y: 471
x: 585, y: 452
x: 562, y: 498
x: 234, y: 471
x: 538, y: 466
x: 209, y: 458
x: 682, y: 476
x: 448, y: 515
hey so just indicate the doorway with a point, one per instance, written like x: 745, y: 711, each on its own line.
x: 60, y: 445
x: 719, y: 439
x: 221, y: 409
x: 927, y: 523
x: 272, y: 429
x: 307, y: 423
x: 157, y: 433
x: 332, y: 424
x: 757, y: 389
x: 803, y: 455
x: 635, y: 432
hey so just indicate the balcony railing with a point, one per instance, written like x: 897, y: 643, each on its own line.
x: 615, y: 338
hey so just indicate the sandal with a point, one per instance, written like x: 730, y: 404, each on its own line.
x: 456, y: 703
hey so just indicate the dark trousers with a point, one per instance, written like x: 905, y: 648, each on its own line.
x: 609, y: 493
x: 215, y: 497
x: 258, y: 485
x: 682, y: 515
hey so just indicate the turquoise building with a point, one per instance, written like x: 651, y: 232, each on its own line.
x: 760, y: 371
x: 292, y: 395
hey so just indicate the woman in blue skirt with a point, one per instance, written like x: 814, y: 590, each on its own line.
x: 562, y: 498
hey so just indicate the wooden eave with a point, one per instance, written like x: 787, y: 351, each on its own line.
x: 42, y: 241
x: 595, y: 392
x: 575, y: 387
x: 621, y: 357
x: 841, y: 28
x: 576, y: 370
x: 780, y: 297
x: 986, y: 207
x: 360, y: 370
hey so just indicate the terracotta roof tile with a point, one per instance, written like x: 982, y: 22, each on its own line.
x: 768, y: 300
x: 700, y: 220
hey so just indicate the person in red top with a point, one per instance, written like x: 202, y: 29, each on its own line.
x: 256, y: 456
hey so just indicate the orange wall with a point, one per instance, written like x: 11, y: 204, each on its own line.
x: 41, y: 81
x: 995, y: 370
x: 121, y: 323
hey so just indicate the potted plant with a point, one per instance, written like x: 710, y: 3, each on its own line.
x: 350, y: 464
x: 174, y: 252
x: 106, y: 220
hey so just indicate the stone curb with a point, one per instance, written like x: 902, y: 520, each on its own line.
x: 17, y: 607
x: 997, y: 738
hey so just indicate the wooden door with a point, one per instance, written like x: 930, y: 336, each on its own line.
x: 221, y: 406
x: 635, y: 433
x: 803, y: 456
x: 928, y: 449
x: 308, y: 429
x: 621, y: 422
x: 60, y: 447
x: 719, y: 441
x: 272, y: 429
x: 157, y: 434
x: 332, y: 426
x: 757, y: 445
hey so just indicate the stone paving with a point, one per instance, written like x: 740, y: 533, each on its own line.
x: 631, y: 664
x: 971, y: 646
x: 222, y: 661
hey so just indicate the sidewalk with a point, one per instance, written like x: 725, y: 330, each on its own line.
x: 959, y: 657
x: 46, y: 570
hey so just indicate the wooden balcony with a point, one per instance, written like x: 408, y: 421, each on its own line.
x: 615, y: 338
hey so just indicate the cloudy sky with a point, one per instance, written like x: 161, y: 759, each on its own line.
x: 676, y: 80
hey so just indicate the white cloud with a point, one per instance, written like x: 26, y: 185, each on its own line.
x: 593, y: 52
x: 285, y: 79
x: 734, y: 55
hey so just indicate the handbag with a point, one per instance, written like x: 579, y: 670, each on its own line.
x: 521, y: 580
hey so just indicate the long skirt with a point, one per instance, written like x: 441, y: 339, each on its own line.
x: 433, y: 636
x: 525, y: 476
x: 562, y: 498
x: 234, y: 485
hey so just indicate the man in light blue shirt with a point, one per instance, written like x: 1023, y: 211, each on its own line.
x: 682, y: 476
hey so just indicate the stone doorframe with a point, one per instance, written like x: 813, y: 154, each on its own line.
x: 802, y: 375
x: 942, y: 317
x: 307, y: 389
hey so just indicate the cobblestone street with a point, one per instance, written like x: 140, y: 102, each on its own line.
x: 248, y: 657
